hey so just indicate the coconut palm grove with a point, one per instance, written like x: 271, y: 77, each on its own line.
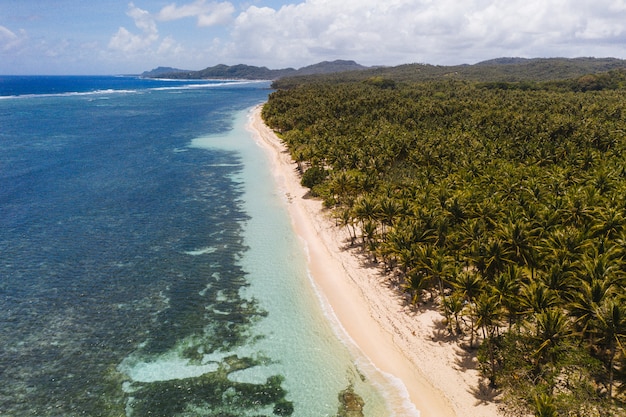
x: 498, y: 199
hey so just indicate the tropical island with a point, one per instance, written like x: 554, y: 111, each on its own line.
x: 494, y: 194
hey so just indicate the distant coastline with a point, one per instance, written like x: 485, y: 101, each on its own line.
x: 249, y: 72
x: 504, y: 69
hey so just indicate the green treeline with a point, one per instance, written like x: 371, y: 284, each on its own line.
x: 505, y: 204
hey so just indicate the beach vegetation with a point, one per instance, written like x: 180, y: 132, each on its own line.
x: 313, y: 177
x: 502, y: 202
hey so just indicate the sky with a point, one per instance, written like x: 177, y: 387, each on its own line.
x: 123, y: 37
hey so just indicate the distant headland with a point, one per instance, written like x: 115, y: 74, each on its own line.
x: 249, y: 72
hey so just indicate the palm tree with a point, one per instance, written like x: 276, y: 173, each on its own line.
x: 415, y: 282
x: 602, y: 264
x: 559, y: 278
x: 344, y: 218
x: 365, y: 209
x: 564, y: 244
x: 611, y: 324
x: 403, y: 240
x: 577, y: 212
x: 452, y: 305
x: 608, y: 223
x: 469, y: 286
x: 488, y: 312
x: 552, y: 329
x: 536, y: 298
x: 584, y: 304
x: 434, y: 263
x: 368, y: 233
x: 495, y: 258
x: 517, y: 243
x: 389, y: 209
x: 341, y: 185
x: 299, y: 156
x: 488, y: 212
x: 456, y: 211
x: 373, y: 247
x: 469, y: 238
x: 436, y: 266
x: 506, y: 287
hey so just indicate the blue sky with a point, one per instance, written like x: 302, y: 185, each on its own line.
x: 119, y: 36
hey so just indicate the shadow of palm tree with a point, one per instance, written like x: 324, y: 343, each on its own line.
x: 441, y: 332
x: 484, y: 393
x: 466, y: 359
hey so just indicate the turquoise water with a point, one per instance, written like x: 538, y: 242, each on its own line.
x: 148, y: 263
x: 316, y: 363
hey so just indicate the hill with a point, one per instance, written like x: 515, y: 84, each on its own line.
x: 510, y: 70
x: 249, y: 72
x: 160, y: 71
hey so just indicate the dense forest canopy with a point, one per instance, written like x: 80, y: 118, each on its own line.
x: 502, y: 202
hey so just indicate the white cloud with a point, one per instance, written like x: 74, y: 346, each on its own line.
x: 169, y: 47
x: 142, y: 19
x: 442, y: 31
x: 9, y: 40
x: 59, y: 49
x: 207, y: 14
x: 222, y: 13
x: 128, y: 42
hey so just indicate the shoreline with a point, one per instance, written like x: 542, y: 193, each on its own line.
x: 441, y: 380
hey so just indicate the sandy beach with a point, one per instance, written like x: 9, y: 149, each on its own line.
x: 441, y: 378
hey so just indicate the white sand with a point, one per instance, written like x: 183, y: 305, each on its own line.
x: 440, y: 377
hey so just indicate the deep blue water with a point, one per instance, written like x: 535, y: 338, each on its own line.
x: 16, y: 85
x: 100, y: 203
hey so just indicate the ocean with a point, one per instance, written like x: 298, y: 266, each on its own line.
x: 148, y: 266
